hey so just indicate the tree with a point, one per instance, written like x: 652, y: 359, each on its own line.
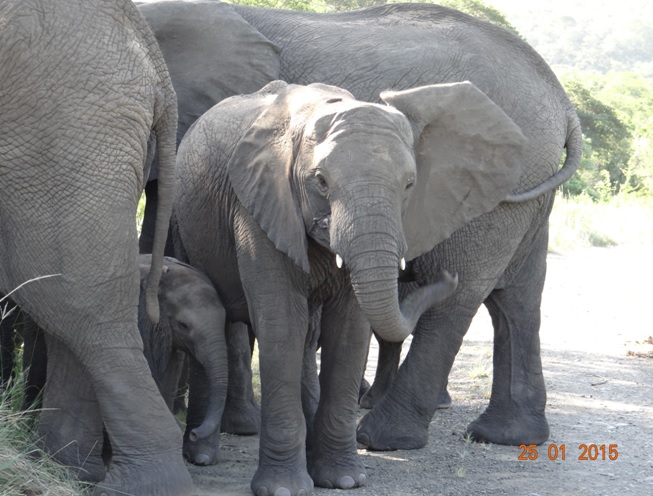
x: 608, y: 144
x: 304, y: 5
x: 478, y: 9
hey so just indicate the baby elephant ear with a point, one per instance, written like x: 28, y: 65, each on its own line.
x: 260, y: 171
x: 468, y: 154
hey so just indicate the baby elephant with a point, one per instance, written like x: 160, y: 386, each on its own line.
x: 192, y: 321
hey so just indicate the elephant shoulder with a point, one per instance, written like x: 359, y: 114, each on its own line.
x: 224, y: 124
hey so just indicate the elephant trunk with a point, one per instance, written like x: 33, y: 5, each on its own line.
x: 213, y: 361
x: 374, y: 258
x: 376, y: 289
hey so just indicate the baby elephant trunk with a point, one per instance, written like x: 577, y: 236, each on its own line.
x: 211, y: 366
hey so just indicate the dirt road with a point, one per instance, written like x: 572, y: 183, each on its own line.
x: 597, y: 352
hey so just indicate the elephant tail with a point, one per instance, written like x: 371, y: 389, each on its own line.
x: 166, y: 131
x: 574, y: 146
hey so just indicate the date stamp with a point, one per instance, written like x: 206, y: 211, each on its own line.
x: 588, y: 452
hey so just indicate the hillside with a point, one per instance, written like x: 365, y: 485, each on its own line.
x: 599, y: 35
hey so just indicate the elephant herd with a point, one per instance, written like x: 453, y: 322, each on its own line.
x: 389, y: 169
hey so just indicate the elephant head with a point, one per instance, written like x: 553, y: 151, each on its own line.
x: 374, y: 184
x: 192, y: 321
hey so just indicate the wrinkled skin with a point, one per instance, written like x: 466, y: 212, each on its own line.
x: 500, y: 256
x: 83, y: 89
x: 192, y: 322
x: 292, y: 199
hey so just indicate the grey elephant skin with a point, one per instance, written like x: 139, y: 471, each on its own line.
x: 84, y: 89
x: 291, y: 199
x: 500, y: 256
x: 192, y: 324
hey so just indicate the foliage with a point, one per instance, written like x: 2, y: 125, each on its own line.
x: 481, y: 10
x: 616, y: 113
x: 475, y: 8
x: 588, y: 35
x: 303, y: 5
x: 607, y: 147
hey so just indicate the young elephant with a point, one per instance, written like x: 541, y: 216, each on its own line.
x: 293, y: 198
x: 192, y: 322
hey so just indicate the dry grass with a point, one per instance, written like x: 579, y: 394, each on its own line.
x: 579, y: 222
x: 25, y: 470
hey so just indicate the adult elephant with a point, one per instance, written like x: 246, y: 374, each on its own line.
x: 500, y: 256
x: 291, y: 199
x: 83, y: 88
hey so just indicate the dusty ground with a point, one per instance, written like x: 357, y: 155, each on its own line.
x: 597, y: 351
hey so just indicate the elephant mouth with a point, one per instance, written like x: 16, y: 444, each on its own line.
x: 320, y: 229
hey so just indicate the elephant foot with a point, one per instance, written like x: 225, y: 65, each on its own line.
x: 204, y: 451
x: 379, y: 430
x: 82, y: 459
x: 242, y: 418
x: 272, y: 481
x: 164, y: 475
x: 339, y: 471
x: 444, y: 400
x: 510, y: 428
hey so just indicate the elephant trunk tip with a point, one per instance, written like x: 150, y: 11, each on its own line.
x: 201, y: 432
x: 445, y: 287
x: 210, y: 425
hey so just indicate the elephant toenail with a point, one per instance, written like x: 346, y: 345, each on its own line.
x: 202, y: 459
x: 362, y: 479
x: 282, y: 491
x: 262, y: 491
x: 302, y: 492
x: 363, y: 438
x: 325, y: 483
x: 346, y: 482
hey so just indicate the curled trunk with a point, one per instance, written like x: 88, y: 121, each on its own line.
x: 373, y: 251
x: 377, y: 292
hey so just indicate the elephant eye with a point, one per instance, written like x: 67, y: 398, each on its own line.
x: 322, y: 184
x: 410, y: 184
x: 183, y: 326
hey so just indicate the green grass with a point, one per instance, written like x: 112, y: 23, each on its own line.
x: 579, y: 222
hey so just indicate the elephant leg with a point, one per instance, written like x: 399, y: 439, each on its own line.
x: 386, y: 369
x: 35, y: 363
x: 242, y: 414
x: 310, y: 379
x: 344, y: 340
x: 179, y: 403
x: 172, y: 377
x: 401, y: 419
x: 205, y: 451
x: 278, y: 310
x: 515, y: 414
x: 70, y: 426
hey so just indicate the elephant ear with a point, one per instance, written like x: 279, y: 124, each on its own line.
x: 261, y: 166
x: 469, y: 158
